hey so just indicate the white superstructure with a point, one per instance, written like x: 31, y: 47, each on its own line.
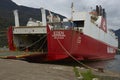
x: 32, y: 27
x: 93, y: 29
x: 17, y: 24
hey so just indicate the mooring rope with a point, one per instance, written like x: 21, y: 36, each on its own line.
x: 37, y: 41
x: 34, y: 43
x: 42, y: 44
x: 68, y: 53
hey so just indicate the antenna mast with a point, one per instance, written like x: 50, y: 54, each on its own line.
x: 72, y: 10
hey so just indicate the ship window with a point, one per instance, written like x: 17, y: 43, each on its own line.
x: 79, y: 23
x: 67, y: 24
x: 62, y: 25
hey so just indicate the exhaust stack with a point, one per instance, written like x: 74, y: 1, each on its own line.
x: 16, y: 18
x: 43, y: 16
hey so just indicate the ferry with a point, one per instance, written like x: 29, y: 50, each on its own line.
x: 84, y: 36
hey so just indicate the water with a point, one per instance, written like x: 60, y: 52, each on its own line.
x: 112, y: 65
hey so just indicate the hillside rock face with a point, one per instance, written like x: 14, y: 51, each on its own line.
x: 8, y: 5
x: 7, y: 17
x: 117, y: 33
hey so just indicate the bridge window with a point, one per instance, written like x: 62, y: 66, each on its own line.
x: 79, y: 23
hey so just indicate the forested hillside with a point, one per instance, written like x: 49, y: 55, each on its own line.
x: 7, y: 18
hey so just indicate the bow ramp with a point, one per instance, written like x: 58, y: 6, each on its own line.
x: 22, y: 55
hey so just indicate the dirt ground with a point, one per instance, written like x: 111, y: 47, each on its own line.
x: 23, y: 70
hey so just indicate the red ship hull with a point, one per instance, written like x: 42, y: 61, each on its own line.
x: 84, y: 37
x: 65, y: 43
x: 62, y: 44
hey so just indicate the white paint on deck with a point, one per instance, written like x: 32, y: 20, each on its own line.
x: 29, y: 30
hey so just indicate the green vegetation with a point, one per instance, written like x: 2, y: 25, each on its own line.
x: 87, y: 75
x: 77, y: 73
x: 7, y: 18
x: 3, y: 38
x: 84, y: 75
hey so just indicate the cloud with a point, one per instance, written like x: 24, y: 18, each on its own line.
x: 63, y: 7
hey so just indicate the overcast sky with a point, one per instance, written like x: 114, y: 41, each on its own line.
x: 63, y: 7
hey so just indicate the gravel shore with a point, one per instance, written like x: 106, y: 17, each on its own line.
x: 22, y: 70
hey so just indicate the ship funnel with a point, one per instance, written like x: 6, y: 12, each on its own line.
x: 43, y: 16
x: 16, y: 18
x: 104, y: 13
x: 97, y: 10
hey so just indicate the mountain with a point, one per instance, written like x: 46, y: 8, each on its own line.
x: 117, y: 33
x: 7, y: 17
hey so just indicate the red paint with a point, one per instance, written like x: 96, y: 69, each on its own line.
x: 10, y: 39
x: 103, y: 25
x: 81, y: 46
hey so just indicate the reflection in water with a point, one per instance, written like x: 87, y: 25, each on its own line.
x: 112, y: 65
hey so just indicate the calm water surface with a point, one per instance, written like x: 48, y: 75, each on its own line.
x: 112, y: 65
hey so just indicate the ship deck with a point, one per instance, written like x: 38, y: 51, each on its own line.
x: 19, y: 54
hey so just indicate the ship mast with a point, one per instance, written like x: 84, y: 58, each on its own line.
x: 17, y: 24
x: 72, y: 10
